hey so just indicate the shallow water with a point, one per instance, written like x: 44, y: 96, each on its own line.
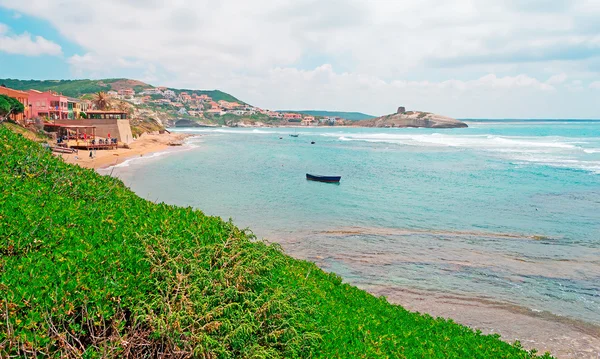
x: 500, y: 211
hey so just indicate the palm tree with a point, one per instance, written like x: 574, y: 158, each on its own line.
x: 101, y: 101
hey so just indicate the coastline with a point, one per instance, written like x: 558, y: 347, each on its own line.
x: 561, y: 336
x: 564, y: 338
x: 144, y: 145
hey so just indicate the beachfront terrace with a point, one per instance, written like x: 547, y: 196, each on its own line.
x: 106, y: 115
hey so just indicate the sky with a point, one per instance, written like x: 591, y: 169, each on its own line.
x: 460, y: 58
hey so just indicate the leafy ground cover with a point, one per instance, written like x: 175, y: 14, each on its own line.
x: 88, y: 269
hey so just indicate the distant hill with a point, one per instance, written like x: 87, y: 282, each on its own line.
x: 77, y: 88
x: 352, y: 116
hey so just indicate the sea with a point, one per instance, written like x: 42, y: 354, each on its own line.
x: 506, y: 211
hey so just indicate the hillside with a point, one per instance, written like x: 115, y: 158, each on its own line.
x: 352, y: 116
x: 77, y: 88
x: 91, y: 270
x: 412, y: 119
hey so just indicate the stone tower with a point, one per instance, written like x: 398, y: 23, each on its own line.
x: 401, y: 110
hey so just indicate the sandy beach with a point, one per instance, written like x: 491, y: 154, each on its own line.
x: 145, y: 144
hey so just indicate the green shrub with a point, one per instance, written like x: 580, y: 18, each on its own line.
x: 88, y: 269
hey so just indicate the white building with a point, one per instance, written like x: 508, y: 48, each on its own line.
x: 169, y: 94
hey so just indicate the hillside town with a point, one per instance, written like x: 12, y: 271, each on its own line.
x: 168, y: 107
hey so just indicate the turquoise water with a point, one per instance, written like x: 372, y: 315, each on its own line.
x: 504, y: 211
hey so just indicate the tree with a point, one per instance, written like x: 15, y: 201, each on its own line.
x: 101, y: 101
x: 9, y: 106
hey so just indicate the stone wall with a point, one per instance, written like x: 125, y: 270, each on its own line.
x: 119, y: 129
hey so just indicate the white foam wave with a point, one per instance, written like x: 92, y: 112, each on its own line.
x: 491, y: 142
x: 129, y: 161
x: 189, y: 144
x: 555, y: 151
x: 231, y: 131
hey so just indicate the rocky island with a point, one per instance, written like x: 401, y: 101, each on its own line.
x: 403, y: 118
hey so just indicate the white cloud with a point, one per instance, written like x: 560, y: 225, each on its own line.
x: 17, y: 16
x: 595, y: 85
x: 25, y: 44
x: 557, y: 79
x: 448, y: 46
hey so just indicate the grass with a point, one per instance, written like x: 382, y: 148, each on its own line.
x: 90, y: 270
x: 73, y: 88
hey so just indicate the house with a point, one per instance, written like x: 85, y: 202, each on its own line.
x: 126, y: 93
x: 85, y: 105
x: 185, y: 97
x: 74, y: 108
x: 169, y: 94
x: 308, y: 120
x: 216, y: 112
x: 112, y: 93
x: 22, y: 97
x: 292, y: 116
x: 161, y: 89
x: 48, y: 104
x: 151, y: 91
x: 182, y: 112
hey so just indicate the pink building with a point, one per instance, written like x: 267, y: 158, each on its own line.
x: 292, y: 116
x: 48, y: 104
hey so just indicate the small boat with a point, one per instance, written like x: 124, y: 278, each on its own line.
x: 327, y: 179
x: 312, y: 142
x: 296, y: 135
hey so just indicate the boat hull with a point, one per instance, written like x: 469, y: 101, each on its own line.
x: 326, y: 179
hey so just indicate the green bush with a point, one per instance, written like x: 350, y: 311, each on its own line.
x: 88, y: 269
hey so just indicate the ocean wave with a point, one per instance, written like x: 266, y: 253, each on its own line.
x: 248, y: 131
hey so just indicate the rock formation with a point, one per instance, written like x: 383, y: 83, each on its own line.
x: 412, y: 119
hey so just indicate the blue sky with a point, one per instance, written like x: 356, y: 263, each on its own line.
x: 481, y: 58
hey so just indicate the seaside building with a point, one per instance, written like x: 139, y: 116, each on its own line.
x: 112, y: 93
x: 48, y: 104
x: 169, y: 94
x: 73, y: 108
x: 308, y: 120
x: 22, y: 97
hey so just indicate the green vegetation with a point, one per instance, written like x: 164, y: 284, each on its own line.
x: 352, y: 116
x: 77, y: 88
x: 9, y: 106
x: 73, y: 88
x: 216, y: 95
x: 88, y: 269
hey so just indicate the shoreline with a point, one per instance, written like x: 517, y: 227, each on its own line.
x: 563, y: 336
x: 144, y: 145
